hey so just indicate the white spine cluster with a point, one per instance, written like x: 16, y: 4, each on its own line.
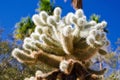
x: 64, y: 65
x: 38, y: 73
x: 96, y: 35
x: 62, y: 37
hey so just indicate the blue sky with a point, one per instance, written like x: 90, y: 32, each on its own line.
x: 11, y: 11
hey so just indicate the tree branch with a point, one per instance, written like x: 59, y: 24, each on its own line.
x: 77, y: 4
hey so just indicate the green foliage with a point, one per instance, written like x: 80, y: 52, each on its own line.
x: 4, y: 47
x: 10, y: 69
x: 10, y: 72
x: 46, y: 5
x: 24, y: 28
x: 114, y: 76
x: 95, y: 18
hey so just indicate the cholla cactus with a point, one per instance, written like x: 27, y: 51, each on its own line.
x: 61, y: 42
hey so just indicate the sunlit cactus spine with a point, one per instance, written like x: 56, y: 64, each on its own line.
x: 63, y: 43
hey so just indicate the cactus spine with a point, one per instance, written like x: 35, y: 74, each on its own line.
x: 62, y: 41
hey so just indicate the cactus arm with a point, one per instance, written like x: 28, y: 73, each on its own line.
x: 49, y: 59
